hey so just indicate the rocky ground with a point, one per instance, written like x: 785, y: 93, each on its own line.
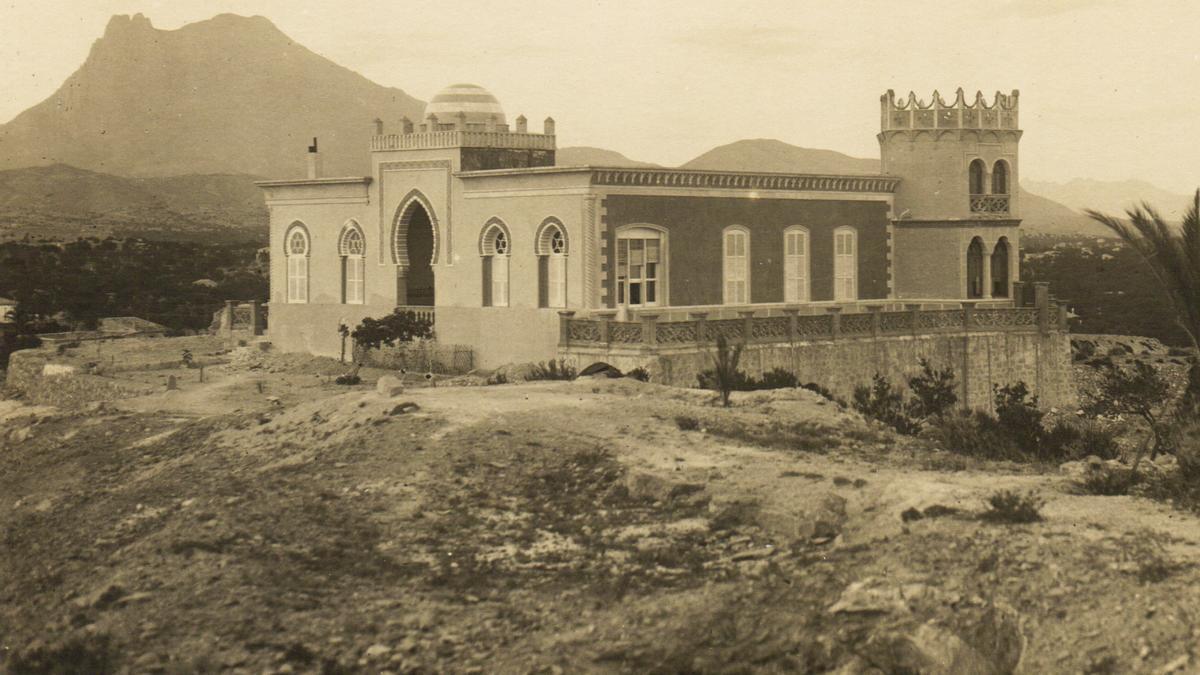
x: 269, y: 521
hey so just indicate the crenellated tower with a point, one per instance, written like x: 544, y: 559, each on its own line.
x: 958, y: 201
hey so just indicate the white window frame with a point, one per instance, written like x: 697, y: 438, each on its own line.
x: 797, y: 268
x: 845, y: 264
x: 297, y: 264
x: 497, y: 245
x: 649, y: 281
x: 735, y: 265
x: 556, y: 270
x: 353, y: 255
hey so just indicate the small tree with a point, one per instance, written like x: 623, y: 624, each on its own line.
x: 933, y: 391
x: 401, y: 325
x: 1139, y: 391
x: 884, y: 403
x: 1019, y: 415
x: 725, y: 367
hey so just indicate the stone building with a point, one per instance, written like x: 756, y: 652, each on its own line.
x: 466, y: 215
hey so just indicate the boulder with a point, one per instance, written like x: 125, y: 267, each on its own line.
x: 824, y: 520
x: 389, y: 386
x: 929, y: 650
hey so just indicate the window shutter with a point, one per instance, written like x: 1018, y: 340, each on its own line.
x: 543, y: 281
x: 487, y: 281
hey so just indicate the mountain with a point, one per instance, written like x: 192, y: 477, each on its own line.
x: 1113, y: 197
x: 1039, y: 215
x: 232, y: 94
x: 764, y: 154
x: 583, y: 155
x: 62, y: 202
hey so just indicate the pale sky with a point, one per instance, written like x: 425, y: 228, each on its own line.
x: 1110, y: 89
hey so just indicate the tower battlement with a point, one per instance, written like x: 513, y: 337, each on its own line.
x: 937, y: 114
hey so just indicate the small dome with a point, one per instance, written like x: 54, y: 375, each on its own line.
x: 474, y: 100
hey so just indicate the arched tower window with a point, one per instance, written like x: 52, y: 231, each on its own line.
x: 736, y: 265
x: 795, y: 264
x: 1000, y: 267
x: 845, y: 264
x: 552, y: 264
x: 352, y: 250
x: 976, y: 173
x: 1000, y: 178
x: 975, y: 268
x: 296, y: 250
x: 495, y: 247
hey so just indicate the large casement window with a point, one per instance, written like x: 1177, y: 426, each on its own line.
x: 552, y: 265
x: 735, y: 266
x: 495, y: 247
x: 795, y: 264
x: 296, y: 248
x: 352, y: 251
x: 845, y: 264
x: 640, y: 267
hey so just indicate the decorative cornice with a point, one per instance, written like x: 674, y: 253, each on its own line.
x: 300, y: 182
x: 698, y: 179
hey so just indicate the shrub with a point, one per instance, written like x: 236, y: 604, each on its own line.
x: 974, y: 433
x: 348, y: 379
x: 399, y: 326
x: 1139, y: 391
x: 933, y: 391
x: 726, y: 375
x: 1019, y: 416
x: 884, y: 403
x: 640, y: 374
x: 1083, y: 349
x: 553, y: 370
x: 80, y: 654
x: 1107, y: 481
x: 686, y: 423
x: 820, y: 390
x: 1009, y: 506
x: 778, y: 379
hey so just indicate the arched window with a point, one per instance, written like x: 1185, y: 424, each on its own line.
x: 976, y: 171
x: 735, y: 265
x: 845, y: 264
x: 495, y: 247
x: 641, y: 260
x: 1000, y: 178
x: 552, y: 264
x: 1000, y: 282
x: 795, y: 264
x: 352, y: 250
x: 296, y: 250
x: 975, y: 268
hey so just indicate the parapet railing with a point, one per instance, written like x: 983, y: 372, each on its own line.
x: 422, y: 311
x: 602, y: 330
x: 989, y: 204
x: 741, y: 180
x: 463, y: 138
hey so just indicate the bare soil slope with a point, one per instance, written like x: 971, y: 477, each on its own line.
x: 267, y: 521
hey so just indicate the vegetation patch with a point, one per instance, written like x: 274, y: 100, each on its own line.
x: 1012, y: 507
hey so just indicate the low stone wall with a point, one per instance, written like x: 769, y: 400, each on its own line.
x: 33, y: 374
x: 979, y: 360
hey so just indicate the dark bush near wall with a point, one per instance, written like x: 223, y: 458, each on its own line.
x: 399, y: 326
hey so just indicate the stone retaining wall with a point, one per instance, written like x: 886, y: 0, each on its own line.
x: 979, y: 360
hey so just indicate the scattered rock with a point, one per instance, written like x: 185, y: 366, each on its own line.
x: 930, y: 650
x: 869, y: 597
x: 376, y: 651
x: 404, y: 408
x: 823, y: 521
x: 389, y: 386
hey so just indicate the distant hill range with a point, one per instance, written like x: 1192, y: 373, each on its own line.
x: 231, y: 94
x: 60, y: 202
x: 1113, y: 197
x: 169, y: 128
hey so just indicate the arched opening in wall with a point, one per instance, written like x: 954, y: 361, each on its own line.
x: 1000, y: 280
x: 975, y: 269
x: 419, y: 265
x: 976, y: 173
x: 1000, y: 178
x: 551, y: 249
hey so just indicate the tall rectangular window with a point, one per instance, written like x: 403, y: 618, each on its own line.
x: 556, y: 280
x: 795, y: 266
x: 354, y: 268
x: 297, y: 271
x: 639, y: 262
x: 736, y: 267
x: 845, y: 264
x: 500, y: 281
